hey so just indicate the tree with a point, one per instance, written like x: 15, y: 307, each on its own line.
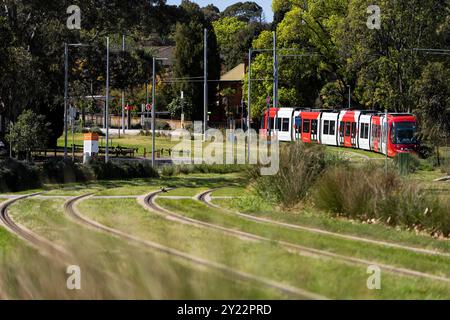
x: 188, y: 64
x: 227, y: 30
x: 380, y: 61
x: 29, y: 132
x: 178, y: 106
x: 211, y: 12
x: 245, y: 11
x: 311, y: 29
x: 432, y: 96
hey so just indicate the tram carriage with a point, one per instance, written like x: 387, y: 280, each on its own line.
x: 366, y: 130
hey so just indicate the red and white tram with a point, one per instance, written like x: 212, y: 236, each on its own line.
x: 366, y: 130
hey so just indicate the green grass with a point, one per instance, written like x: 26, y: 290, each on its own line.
x: 229, y: 192
x: 128, y: 141
x: 112, y: 268
x: 397, y: 257
x: 310, y: 217
x: 264, y: 259
x: 353, y: 153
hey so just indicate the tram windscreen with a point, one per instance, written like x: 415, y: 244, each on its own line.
x: 404, y: 133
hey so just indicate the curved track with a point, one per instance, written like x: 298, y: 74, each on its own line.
x: 205, y: 197
x: 149, y: 201
x: 71, y: 210
x: 43, y: 245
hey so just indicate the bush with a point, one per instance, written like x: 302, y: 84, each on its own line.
x: 17, y: 176
x: 163, y: 125
x: 407, y: 163
x: 65, y: 171
x: 300, y: 166
x: 174, y: 170
x: 371, y: 195
x: 122, y: 170
x: 353, y: 192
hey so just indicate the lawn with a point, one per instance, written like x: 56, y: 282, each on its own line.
x: 308, y: 273
x: 145, y: 274
x: 112, y: 268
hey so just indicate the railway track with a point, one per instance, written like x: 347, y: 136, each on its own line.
x: 205, y: 197
x: 294, y: 292
x: 150, y: 202
x: 44, y: 246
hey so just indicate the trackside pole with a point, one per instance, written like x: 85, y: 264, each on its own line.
x: 107, y: 102
x: 249, y: 101
x: 205, y: 84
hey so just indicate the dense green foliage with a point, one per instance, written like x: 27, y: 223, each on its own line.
x: 18, y: 176
x: 29, y: 132
x: 337, y: 49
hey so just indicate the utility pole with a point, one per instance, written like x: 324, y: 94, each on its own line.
x: 275, y: 81
x: 66, y: 89
x: 249, y: 102
x: 153, y: 111
x: 123, y: 92
x: 205, y: 89
x: 107, y: 102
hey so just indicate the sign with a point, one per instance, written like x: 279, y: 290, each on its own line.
x: 268, y: 100
x: 130, y: 108
x: 148, y: 107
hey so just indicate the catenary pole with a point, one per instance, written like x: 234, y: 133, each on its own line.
x: 123, y: 91
x: 153, y: 111
x: 205, y: 84
x: 249, y: 102
x: 107, y: 102
x: 66, y: 89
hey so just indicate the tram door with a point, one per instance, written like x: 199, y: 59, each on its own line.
x: 314, y: 130
x: 298, y: 128
x: 354, y: 134
x: 341, y: 133
x: 384, y: 135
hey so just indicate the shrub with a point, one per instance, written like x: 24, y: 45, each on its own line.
x: 369, y: 194
x: 406, y: 163
x: 122, y: 170
x: 65, y: 171
x: 17, y: 176
x: 163, y: 125
x: 300, y: 166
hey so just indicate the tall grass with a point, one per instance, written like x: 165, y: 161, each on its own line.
x: 300, y: 166
x: 372, y: 195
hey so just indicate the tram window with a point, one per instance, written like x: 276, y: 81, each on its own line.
x: 353, y: 129
x: 347, y: 129
x: 332, y: 128
x: 306, y: 126
x: 314, y: 127
x: 278, y: 124
x: 272, y: 121
x: 364, y: 131
x: 285, y: 125
x: 326, y: 127
x: 342, y: 128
